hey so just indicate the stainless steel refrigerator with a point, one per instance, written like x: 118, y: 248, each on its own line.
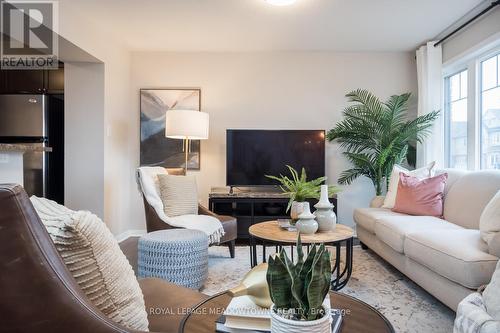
x: 37, y: 120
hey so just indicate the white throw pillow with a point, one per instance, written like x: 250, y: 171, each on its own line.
x: 95, y: 260
x: 489, y: 222
x: 491, y: 295
x: 422, y: 173
x: 179, y: 195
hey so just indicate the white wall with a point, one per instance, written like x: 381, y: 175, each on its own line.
x: 84, y: 136
x: 472, y: 35
x: 110, y: 141
x: 283, y: 90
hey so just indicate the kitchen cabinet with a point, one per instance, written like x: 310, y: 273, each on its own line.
x: 55, y: 81
x: 23, y: 81
x: 32, y: 81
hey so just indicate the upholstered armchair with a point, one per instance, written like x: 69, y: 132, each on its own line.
x: 154, y: 222
x: 38, y: 292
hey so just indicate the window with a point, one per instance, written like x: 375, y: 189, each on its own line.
x: 472, y: 113
x: 456, y: 114
x: 490, y: 113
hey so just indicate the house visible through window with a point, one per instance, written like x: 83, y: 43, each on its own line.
x: 456, y: 114
x: 472, y: 114
x: 490, y: 113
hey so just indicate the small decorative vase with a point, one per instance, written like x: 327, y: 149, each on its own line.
x: 306, y: 223
x: 327, y: 220
x: 296, y: 209
x: 283, y: 325
x: 254, y: 285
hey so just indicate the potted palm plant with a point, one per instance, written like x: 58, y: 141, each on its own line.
x: 298, y: 189
x: 376, y: 135
x: 298, y: 291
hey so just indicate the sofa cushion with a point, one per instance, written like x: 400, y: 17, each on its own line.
x: 392, y: 230
x: 469, y: 195
x: 367, y: 217
x: 93, y: 256
x: 453, y: 176
x: 459, y: 255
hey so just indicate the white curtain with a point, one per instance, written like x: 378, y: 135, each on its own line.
x: 430, y: 92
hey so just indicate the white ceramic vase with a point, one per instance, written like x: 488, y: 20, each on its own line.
x: 282, y: 325
x: 326, y: 218
x: 306, y: 223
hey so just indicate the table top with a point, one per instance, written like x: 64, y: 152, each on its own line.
x: 271, y: 231
x: 359, y: 316
x: 175, y: 236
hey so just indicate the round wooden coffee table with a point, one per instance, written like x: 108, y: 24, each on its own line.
x: 358, y: 316
x: 270, y: 233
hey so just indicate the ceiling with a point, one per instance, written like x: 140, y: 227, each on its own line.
x: 254, y: 25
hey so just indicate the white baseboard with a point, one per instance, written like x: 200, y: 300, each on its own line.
x: 130, y: 233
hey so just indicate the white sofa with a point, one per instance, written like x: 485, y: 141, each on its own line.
x: 447, y: 257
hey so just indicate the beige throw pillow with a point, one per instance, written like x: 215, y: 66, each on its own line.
x: 491, y: 295
x: 494, y: 246
x: 489, y: 222
x: 392, y: 190
x: 179, y: 195
x: 95, y: 260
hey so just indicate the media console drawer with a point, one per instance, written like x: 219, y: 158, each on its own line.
x: 253, y: 207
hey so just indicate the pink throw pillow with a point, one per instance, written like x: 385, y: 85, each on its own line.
x: 420, y: 197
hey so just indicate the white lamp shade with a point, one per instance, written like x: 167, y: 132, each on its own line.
x: 186, y: 124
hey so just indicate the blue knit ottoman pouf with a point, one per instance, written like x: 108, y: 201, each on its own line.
x: 179, y: 256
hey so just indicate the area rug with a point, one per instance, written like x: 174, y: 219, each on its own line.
x: 407, y: 306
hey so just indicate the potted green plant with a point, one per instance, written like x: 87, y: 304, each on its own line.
x: 298, y: 291
x: 298, y: 189
x: 376, y: 135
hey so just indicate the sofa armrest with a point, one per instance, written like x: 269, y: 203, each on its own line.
x: 167, y: 303
x: 377, y: 202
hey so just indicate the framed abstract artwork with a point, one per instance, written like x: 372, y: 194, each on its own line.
x: 156, y: 149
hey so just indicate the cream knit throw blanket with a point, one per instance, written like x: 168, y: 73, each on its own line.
x: 147, y: 179
x: 95, y: 260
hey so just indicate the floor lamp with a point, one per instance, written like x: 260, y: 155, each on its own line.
x: 186, y: 125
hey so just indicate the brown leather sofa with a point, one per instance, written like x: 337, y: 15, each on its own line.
x: 38, y: 293
x: 154, y: 223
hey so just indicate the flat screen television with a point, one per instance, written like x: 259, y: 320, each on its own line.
x: 252, y: 154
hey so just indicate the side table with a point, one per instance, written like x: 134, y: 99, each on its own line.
x: 270, y: 233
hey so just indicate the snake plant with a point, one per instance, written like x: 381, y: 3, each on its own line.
x: 300, y: 288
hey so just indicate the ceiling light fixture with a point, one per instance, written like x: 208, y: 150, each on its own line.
x: 280, y: 2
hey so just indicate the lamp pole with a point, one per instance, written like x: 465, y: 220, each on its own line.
x: 186, y: 153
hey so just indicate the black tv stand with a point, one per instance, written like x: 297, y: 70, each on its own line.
x: 250, y: 207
